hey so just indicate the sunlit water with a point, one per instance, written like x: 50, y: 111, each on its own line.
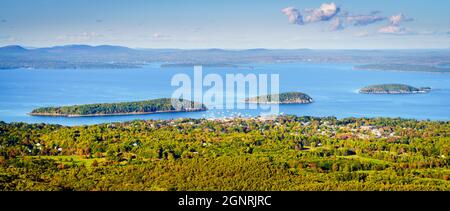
x: 333, y: 87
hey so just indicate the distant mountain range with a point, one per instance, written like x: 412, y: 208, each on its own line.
x: 85, y: 49
x: 13, y: 49
x: 109, y: 56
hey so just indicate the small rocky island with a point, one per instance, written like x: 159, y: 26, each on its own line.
x: 163, y: 105
x: 283, y: 98
x: 393, y: 89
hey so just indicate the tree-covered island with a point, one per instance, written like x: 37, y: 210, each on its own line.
x: 122, y: 108
x: 393, y: 89
x: 283, y: 98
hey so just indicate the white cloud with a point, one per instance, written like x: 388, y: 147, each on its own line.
x: 389, y: 29
x: 395, y: 20
x: 324, y: 13
x: 293, y: 14
x: 339, y: 20
x: 394, y: 25
x: 396, y: 30
x: 330, y: 12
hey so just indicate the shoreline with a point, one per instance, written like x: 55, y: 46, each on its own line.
x: 395, y: 92
x: 228, y: 118
x: 279, y: 103
x: 394, y: 70
x: 112, y: 114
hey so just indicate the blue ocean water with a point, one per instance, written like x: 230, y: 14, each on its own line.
x: 332, y: 86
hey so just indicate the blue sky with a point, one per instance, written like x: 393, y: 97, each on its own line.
x: 230, y: 24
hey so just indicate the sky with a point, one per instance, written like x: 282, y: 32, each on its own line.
x: 228, y: 24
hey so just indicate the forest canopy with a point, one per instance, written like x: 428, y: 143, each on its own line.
x: 283, y: 153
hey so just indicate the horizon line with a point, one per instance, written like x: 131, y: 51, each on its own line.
x: 215, y: 48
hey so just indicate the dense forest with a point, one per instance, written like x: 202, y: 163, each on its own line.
x: 282, y: 98
x: 148, y: 106
x: 282, y: 153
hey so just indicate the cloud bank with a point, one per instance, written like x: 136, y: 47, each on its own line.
x: 339, y: 19
x: 393, y: 30
x: 394, y: 25
x: 324, y: 13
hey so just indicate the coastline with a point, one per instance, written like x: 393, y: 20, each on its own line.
x: 394, y: 92
x: 280, y: 103
x: 394, y: 70
x: 112, y: 114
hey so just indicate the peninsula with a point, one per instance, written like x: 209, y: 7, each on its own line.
x: 163, y: 105
x: 393, y: 89
x: 283, y: 98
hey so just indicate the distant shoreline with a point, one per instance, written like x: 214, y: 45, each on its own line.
x: 396, y: 69
x: 280, y: 103
x: 113, y: 114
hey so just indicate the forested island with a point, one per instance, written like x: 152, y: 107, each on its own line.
x: 123, y: 108
x: 393, y: 89
x: 282, y: 153
x: 283, y: 98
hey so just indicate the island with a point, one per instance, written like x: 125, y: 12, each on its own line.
x: 393, y: 89
x: 163, y: 105
x: 283, y: 98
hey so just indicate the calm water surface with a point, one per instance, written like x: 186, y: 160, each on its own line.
x: 333, y: 87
